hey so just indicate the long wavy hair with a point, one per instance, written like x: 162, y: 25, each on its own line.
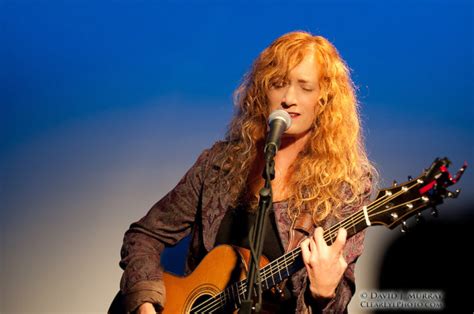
x: 333, y: 170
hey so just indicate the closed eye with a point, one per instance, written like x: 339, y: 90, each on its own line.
x: 276, y: 84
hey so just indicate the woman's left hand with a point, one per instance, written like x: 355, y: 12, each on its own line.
x: 324, y: 263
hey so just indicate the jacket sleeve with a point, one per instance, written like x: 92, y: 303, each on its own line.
x: 166, y: 223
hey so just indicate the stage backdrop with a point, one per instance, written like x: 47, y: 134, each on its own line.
x: 105, y: 105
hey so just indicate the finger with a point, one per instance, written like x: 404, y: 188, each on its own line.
x: 338, y: 245
x: 314, y: 250
x: 312, y: 245
x: 305, y: 251
x: 319, y: 239
x: 342, y: 261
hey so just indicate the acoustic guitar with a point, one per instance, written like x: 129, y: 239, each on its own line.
x: 218, y: 284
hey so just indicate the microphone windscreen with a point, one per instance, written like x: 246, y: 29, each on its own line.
x: 281, y: 115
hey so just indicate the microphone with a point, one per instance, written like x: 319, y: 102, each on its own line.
x: 279, y: 121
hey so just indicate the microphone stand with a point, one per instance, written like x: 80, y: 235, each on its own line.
x: 258, y: 234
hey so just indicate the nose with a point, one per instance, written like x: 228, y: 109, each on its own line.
x: 289, y: 98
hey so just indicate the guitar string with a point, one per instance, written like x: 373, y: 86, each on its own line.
x: 331, y: 231
x: 211, y: 303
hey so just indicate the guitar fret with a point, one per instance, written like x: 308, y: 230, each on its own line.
x: 238, y: 293
x: 271, y: 277
x: 243, y: 289
x: 353, y: 224
x: 286, y: 266
x: 221, y: 296
x: 227, y: 293
x: 234, y: 289
x: 331, y: 235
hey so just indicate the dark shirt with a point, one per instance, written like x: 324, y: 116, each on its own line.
x: 235, y: 229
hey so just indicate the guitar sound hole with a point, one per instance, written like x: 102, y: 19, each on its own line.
x: 205, y: 304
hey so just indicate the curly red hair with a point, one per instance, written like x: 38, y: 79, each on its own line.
x: 333, y: 169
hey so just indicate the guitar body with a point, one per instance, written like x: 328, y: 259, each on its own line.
x: 222, y: 266
x: 225, y: 264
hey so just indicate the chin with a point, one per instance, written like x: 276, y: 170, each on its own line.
x: 294, y: 135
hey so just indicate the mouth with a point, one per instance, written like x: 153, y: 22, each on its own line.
x: 293, y: 114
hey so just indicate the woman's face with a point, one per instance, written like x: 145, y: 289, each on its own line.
x: 298, y: 95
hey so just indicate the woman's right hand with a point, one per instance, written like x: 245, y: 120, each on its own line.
x: 146, y: 308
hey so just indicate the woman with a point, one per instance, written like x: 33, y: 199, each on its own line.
x: 321, y: 175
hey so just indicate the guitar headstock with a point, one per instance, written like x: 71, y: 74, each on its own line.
x: 394, y: 205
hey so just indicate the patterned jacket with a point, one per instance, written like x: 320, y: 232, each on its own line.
x: 196, y: 206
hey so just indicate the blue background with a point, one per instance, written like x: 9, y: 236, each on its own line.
x: 104, y: 105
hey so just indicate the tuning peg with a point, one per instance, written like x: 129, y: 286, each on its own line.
x: 419, y: 218
x: 395, y: 183
x: 454, y: 194
x: 434, y: 211
x: 410, y: 178
x: 404, y: 227
x: 394, y: 216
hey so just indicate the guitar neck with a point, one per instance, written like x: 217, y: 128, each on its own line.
x: 289, y: 263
